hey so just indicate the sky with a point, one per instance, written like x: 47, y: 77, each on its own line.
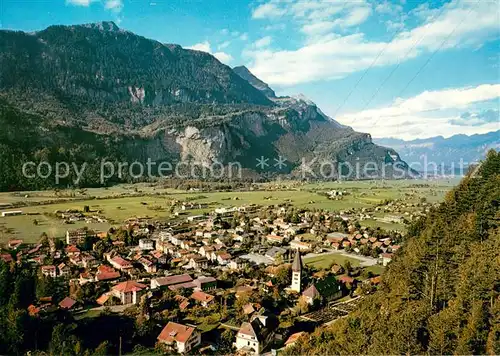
x: 393, y: 68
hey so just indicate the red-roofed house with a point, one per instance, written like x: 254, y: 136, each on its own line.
x: 119, y: 263
x: 203, y: 298
x: 293, y: 338
x: 223, y: 258
x: 71, y: 250
x: 129, y: 291
x: 346, y: 279
x: 86, y: 277
x: 14, y: 243
x: 386, y: 258
x: 49, y: 271
x: 106, y: 273
x: 180, y: 338
x: 6, y: 257
x: 67, y: 303
x: 103, y: 299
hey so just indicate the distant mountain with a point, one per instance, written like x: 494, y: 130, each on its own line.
x: 243, y: 72
x: 85, y: 93
x: 446, y: 151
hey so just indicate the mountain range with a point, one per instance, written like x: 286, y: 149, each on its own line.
x: 84, y: 93
x: 447, y: 152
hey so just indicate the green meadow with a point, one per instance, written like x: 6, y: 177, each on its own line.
x: 125, y: 201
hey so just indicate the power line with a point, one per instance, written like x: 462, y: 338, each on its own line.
x: 430, y: 58
x: 393, y: 70
x: 365, y: 72
x: 415, y: 43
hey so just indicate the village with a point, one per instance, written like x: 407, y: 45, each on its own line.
x: 245, y: 265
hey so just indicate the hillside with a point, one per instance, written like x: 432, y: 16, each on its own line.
x: 446, y: 151
x: 243, y: 72
x: 93, y: 92
x: 100, y: 62
x: 441, y: 293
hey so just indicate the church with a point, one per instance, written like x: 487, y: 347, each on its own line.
x: 296, y: 273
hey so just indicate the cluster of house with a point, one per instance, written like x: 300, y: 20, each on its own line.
x: 201, y: 247
x: 72, y: 215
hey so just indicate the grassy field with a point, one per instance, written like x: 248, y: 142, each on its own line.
x: 324, y: 261
x: 376, y: 269
x: 23, y: 227
x: 117, y: 204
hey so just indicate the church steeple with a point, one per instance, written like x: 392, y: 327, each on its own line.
x: 297, y: 263
x: 296, y: 273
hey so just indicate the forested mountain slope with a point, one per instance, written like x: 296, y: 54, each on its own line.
x: 440, y: 295
x: 93, y: 92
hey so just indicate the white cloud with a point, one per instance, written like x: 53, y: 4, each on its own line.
x: 202, y: 46
x: 79, y: 2
x: 314, y: 10
x: 263, y: 42
x: 394, y: 26
x: 355, y: 17
x: 430, y: 113
x: 269, y: 10
x: 114, y: 5
x: 330, y: 56
x: 320, y: 9
x: 477, y: 118
x: 392, y: 15
x: 224, y: 57
x: 318, y: 27
x: 389, y: 8
x: 275, y: 27
x: 223, y: 45
x: 205, y: 46
x: 244, y: 36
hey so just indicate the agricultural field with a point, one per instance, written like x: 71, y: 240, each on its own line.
x: 325, y: 260
x: 125, y: 201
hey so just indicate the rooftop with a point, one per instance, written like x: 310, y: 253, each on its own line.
x: 175, y: 332
x: 129, y: 286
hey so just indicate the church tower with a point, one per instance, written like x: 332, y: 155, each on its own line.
x: 296, y: 273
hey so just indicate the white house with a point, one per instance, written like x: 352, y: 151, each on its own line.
x: 253, y: 337
x: 146, y: 244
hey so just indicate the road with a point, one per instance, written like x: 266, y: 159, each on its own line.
x: 113, y: 308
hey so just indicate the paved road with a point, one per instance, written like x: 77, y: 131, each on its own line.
x: 113, y: 308
x: 364, y: 261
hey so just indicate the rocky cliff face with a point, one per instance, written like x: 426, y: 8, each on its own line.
x: 101, y: 92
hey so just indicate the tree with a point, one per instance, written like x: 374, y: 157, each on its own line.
x: 225, y: 343
x: 302, y: 306
x: 348, y: 267
x: 284, y: 276
x: 102, y: 349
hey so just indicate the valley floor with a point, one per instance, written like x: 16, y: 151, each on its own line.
x: 111, y: 206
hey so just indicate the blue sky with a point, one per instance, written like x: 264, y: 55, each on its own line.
x: 400, y: 68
